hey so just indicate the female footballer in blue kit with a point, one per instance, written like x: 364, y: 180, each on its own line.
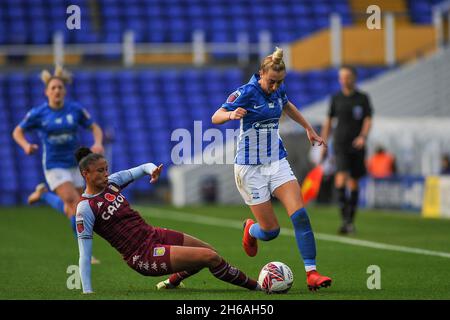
x: 57, y: 122
x: 261, y: 167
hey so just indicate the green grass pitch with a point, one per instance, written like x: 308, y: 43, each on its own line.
x: 37, y: 247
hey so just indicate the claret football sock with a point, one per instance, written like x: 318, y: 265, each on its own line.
x: 225, y: 272
x: 305, y: 238
x: 176, y: 278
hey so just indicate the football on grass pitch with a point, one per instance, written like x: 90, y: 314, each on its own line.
x: 276, y: 277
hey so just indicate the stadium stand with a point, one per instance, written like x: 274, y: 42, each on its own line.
x: 147, y: 102
x: 140, y: 107
x: 175, y: 20
x: 421, y: 10
x: 166, y: 21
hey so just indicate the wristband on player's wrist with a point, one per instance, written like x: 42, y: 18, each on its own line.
x: 229, y: 115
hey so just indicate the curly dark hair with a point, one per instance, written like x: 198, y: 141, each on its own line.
x: 86, y: 157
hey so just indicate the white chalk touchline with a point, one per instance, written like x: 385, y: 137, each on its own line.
x: 219, y: 222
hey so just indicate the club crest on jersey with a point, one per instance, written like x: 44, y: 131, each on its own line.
x: 159, y: 251
x: 110, y: 197
x: 232, y: 97
x: 80, y: 226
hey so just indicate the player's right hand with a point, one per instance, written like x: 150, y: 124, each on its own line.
x: 31, y: 148
x: 238, y: 114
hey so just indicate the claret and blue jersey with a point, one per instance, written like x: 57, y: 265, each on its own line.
x: 259, y: 139
x: 57, y: 130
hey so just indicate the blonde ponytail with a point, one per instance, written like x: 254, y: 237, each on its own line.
x: 59, y: 73
x: 46, y: 76
x: 277, y: 55
x: 274, y: 61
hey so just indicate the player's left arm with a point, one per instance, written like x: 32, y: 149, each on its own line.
x: 291, y: 110
x: 125, y: 177
x: 97, y: 133
x: 86, y: 121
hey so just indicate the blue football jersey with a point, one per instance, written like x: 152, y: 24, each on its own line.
x: 57, y: 130
x: 259, y: 139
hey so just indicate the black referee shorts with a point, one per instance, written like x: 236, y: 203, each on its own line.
x: 351, y: 160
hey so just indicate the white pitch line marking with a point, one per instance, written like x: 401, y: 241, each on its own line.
x: 219, y: 222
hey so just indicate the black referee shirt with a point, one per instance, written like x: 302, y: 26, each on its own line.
x: 350, y: 112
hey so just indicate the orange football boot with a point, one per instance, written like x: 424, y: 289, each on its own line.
x: 316, y: 281
x: 249, y: 243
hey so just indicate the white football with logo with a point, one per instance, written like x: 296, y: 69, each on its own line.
x: 276, y: 277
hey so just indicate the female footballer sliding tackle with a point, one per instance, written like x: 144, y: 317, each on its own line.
x: 149, y: 250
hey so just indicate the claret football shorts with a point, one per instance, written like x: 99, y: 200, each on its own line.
x: 153, y: 256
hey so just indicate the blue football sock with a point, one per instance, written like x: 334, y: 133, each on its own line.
x: 56, y: 203
x: 258, y: 233
x: 53, y: 201
x: 305, y: 238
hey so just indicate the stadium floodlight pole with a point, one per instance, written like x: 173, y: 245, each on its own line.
x: 198, y: 46
x: 128, y: 48
x: 448, y: 27
x: 58, y: 48
x: 336, y: 39
x: 438, y: 26
x: 264, y: 44
x: 287, y: 55
x: 243, y: 47
x: 438, y: 12
x: 389, y: 38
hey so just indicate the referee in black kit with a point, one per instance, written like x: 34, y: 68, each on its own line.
x: 352, y: 110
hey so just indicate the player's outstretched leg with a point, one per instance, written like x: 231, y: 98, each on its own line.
x: 197, y: 258
x: 226, y: 272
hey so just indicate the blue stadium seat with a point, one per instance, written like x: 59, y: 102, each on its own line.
x: 162, y: 20
x: 142, y: 108
x: 195, y: 11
